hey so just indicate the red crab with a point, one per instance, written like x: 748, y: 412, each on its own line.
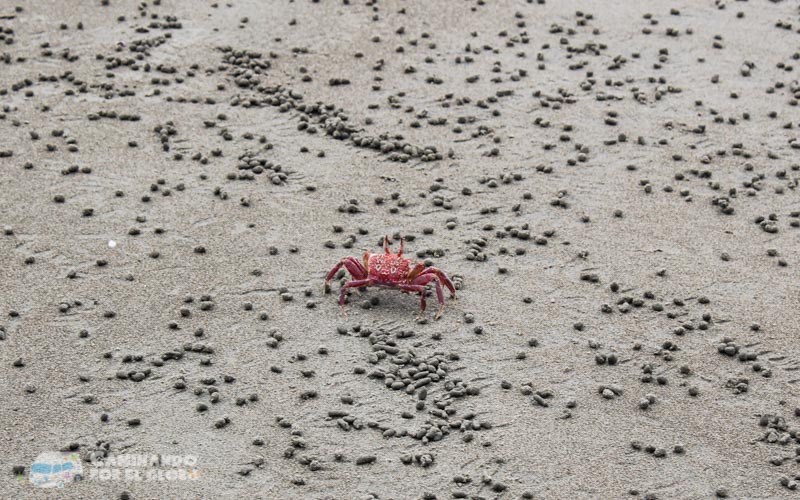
x: 392, y: 271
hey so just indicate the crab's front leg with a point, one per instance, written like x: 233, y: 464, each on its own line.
x: 351, y: 284
x: 423, y: 280
x: 415, y: 271
x: 443, y: 277
x: 420, y: 289
x: 353, y: 266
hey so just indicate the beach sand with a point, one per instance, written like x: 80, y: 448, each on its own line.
x: 612, y: 186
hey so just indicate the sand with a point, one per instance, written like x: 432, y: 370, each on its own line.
x: 612, y: 186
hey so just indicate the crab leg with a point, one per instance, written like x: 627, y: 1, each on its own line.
x: 427, y: 278
x: 416, y: 271
x: 420, y: 289
x: 443, y: 277
x: 352, y: 284
x: 355, y: 268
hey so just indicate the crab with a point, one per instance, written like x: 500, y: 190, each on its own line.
x: 391, y: 270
